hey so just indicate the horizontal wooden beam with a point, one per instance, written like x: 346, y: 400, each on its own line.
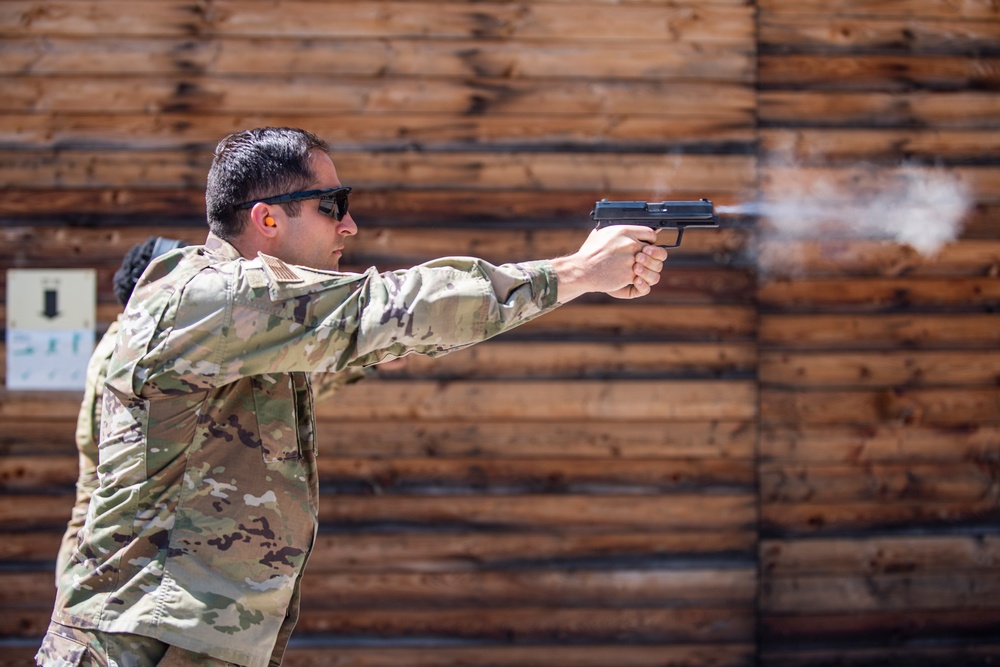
x: 631, y: 130
x: 880, y: 331
x: 871, y: 443
x: 701, y: 54
x: 319, y: 93
x: 914, y: 554
x: 602, y: 20
x: 861, y: 31
x: 952, y: 406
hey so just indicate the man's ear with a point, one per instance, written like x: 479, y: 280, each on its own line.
x: 263, y: 218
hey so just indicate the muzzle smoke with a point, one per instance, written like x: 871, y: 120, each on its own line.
x: 921, y: 207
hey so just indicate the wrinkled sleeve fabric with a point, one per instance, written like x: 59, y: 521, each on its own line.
x: 308, y: 320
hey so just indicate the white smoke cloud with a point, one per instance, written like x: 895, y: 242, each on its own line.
x: 926, y: 212
x: 921, y: 207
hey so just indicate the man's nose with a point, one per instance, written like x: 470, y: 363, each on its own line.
x: 347, y: 226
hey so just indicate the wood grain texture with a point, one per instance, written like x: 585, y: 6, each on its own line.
x: 785, y: 456
x: 878, y: 450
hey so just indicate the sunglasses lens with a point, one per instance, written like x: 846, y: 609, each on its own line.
x: 336, y: 205
x: 342, y: 202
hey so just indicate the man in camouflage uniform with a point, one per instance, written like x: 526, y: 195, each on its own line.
x: 88, y: 421
x: 198, y: 534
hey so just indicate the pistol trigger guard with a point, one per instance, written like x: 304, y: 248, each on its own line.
x: 677, y: 243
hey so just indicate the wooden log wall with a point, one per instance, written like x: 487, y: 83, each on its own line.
x: 581, y: 492
x: 879, y: 366
x: 787, y: 455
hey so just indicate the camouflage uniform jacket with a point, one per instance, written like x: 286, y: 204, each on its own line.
x: 207, y: 506
x: 88, y: 429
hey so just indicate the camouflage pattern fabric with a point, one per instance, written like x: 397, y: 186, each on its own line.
x: 88, y: 425
x: 207, y: 505
x: 64, y: 646
x: 325, y: 385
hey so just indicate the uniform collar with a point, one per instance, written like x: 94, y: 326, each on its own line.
x: 220, y: 248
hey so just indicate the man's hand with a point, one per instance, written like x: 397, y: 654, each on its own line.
x: 646, y: 273
x: 619, y: 260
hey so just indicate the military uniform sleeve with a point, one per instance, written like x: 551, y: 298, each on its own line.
x: 325, y: 385
x: 263, y: 316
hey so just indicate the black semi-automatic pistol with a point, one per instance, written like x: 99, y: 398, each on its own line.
x: 678, y: 215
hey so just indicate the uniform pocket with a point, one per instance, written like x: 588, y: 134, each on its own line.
x: 60, y: 651
x: 277, y: 421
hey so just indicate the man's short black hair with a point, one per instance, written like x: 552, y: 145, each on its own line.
x: 135, y: 262
x: 258, y: 163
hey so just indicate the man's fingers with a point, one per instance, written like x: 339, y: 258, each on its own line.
x: 649, y: 264
x: 655, y: 251
x: 652, y: 256
x: 639, y: 288
x: 645, y: 275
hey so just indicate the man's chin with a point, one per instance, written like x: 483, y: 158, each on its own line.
x: 335, y: 261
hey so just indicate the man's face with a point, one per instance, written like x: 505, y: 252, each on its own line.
x: 312, y: 238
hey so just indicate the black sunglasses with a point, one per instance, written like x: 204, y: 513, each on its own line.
x: 332, y: 202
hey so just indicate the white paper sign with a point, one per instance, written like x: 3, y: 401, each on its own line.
x: 51, y: 315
